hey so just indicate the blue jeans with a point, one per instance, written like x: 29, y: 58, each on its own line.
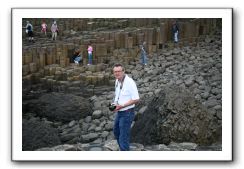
x: 89, y: 58
x: 122, y: 126
x: 78, y: 59
x: 143, y: 58
x: 176, y: 37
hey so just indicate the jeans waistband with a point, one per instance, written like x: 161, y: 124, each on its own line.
x: 128, y: 110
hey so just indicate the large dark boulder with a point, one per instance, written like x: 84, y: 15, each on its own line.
x: 58, y: 107
x: 37, y: 134
x: 175, y: 115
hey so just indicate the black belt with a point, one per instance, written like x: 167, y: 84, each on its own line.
x: 128, y: 110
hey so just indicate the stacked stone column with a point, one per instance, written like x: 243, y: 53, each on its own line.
x: 120, y: 44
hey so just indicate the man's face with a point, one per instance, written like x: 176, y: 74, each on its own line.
x: 118, y: 72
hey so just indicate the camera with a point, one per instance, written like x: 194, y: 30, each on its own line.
x: 112, y: 106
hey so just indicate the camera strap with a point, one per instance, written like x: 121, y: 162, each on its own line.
x: 121, y: 87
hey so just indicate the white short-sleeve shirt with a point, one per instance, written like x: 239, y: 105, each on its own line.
x: 128, y: 92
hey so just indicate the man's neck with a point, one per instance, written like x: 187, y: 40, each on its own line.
x: 122, y: 78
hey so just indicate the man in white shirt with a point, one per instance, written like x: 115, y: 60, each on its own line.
x: 126, y: 96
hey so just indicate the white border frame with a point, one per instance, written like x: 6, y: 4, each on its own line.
x: 19, y: 155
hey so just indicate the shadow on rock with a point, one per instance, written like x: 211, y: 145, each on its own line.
x: 174, y: 115
x: 37, y: 134
x: 58, y: 107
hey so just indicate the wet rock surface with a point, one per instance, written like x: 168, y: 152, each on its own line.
x: 113, y: 146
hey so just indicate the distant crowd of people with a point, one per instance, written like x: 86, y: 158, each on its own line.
x: 54, y: 30
x: 77, y: 56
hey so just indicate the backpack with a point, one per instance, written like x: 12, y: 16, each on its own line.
x: 29, y: 28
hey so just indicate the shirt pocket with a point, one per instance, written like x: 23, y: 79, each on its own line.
x: 125, y: 92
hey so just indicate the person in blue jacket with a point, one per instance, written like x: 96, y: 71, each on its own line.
x: 29, y: 31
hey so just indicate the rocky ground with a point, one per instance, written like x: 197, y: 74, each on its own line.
x: 180, y: 108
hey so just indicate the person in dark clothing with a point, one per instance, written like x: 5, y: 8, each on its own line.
x: 175, y: 30
x: 77, y: 56
x: 29, y: 31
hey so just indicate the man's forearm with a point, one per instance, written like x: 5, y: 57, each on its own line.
x: 130, y: 102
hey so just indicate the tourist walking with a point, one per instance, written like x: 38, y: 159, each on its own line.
x: 143, y: 54
x: 44, y: 27
x: 54, y: 30
x: 175, y: 30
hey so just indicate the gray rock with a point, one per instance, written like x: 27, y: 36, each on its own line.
x: 69, y: 136
x: 97, y: 114
x: 211, y: 103
x: 104, y: 134
x: 216, y: 91
x: 182, y: 146
x: 109, y: 126
x: 188, y: 146
x: 136, y: 147
x: 219, y: 115
x: 65, y: 147
x: 92, y: 128
x: 112, y: 145
x: 72, y: 123
x: 205, y: 95
x: 88, y: 119
x: 218, y: 107
x: 142, y: 110
x: 174, y: 115
x: 97, y: 105
x: 159, y: 147
x: 189, y: 81
x: 85, y: 126
x: 54, y: 106
x: 95, y: 148
x: 37, y: 134
x: 89, y: 137
x: 98, y: 129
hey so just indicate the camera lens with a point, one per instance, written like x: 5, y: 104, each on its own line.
x: 112, y: 107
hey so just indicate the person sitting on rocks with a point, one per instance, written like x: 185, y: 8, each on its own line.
x: 77, y: 57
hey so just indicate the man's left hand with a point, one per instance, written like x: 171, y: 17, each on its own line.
x: 118, y: 107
